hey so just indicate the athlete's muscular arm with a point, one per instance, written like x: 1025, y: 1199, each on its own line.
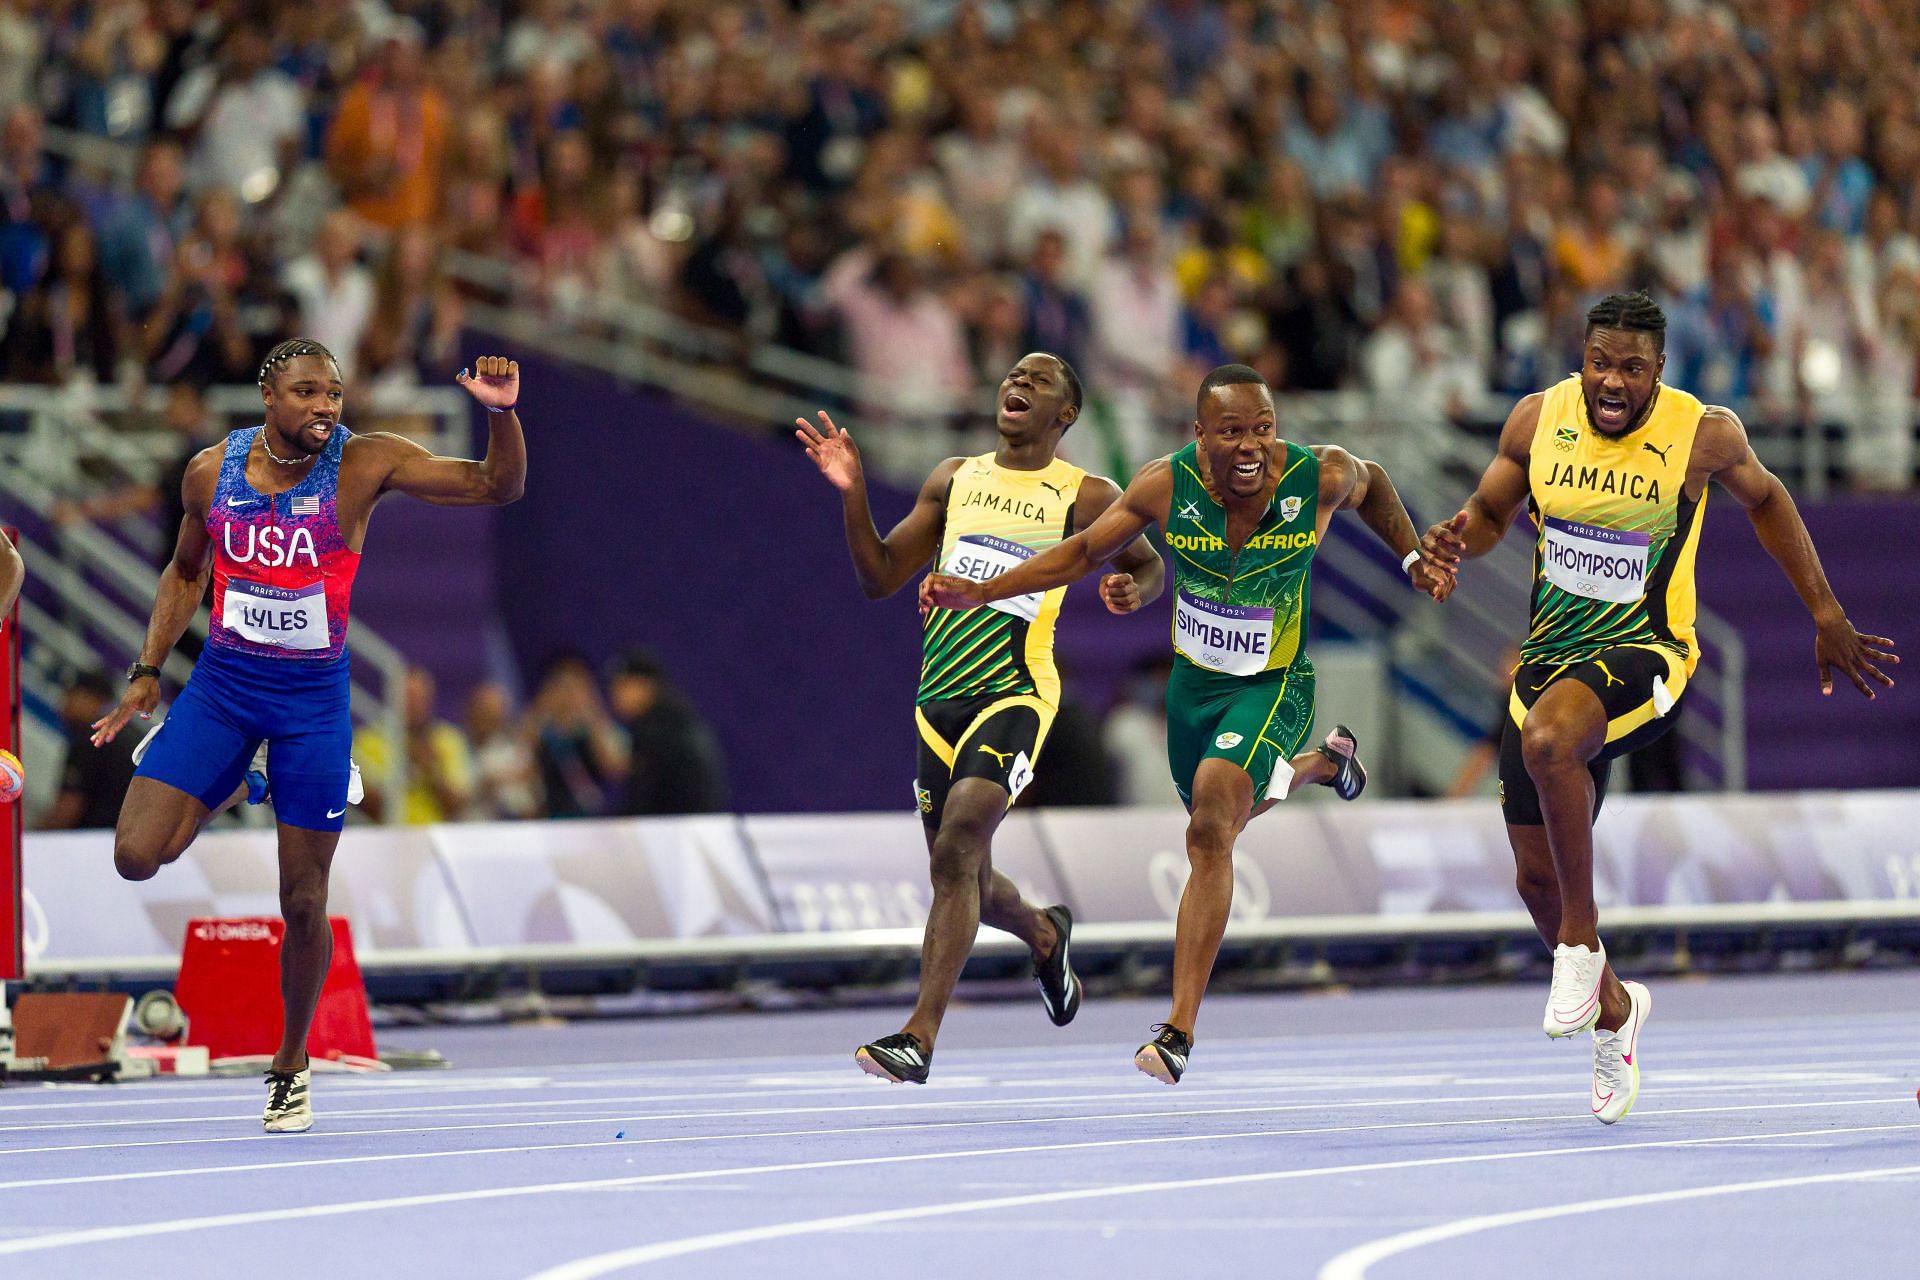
x: 493, y: 481
x: 13, y: 575
x: 1355, y: 484
x: 183, y: 584
x: 882, y: 565
x: 1721, y: 452
x: 1139, y: 575
x: 1144, y: 503
x: 1483, y: 521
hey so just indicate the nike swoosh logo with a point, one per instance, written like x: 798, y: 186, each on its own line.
x: 243, y: 502
x: 334, y: 813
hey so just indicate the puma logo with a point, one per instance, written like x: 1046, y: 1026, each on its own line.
x: 1662, y: 453
x: 1612, y: 679
x: 1001, y: 758
x: 1059, y: 491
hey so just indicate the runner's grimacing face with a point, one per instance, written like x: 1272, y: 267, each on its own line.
x: 1033, y: 397
x: 1622, y: 368
x: 304, y: 400
x: 1237, y: 433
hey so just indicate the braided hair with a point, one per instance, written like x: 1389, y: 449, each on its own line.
x: 291, y: 349
x: 1634, y: 312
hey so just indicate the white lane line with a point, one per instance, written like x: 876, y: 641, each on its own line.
x: 1354, y: 1263
x: 1225, y: 1051
x: 620, y: 1259
x: 890, y: 1130
x: 177, y: 1226
x: 1813, y: 1099
x: 1817, y: 1074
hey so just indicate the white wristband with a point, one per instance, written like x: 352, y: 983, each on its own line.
x: 1406, y: 566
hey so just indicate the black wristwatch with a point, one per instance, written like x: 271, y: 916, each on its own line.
x: 140, y: 670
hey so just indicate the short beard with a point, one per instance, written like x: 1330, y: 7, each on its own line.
x: 1634, y: 423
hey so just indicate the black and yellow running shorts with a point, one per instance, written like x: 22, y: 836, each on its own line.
x: 1255, y: 723
x: 996, y: 737
x: 1639, y: 686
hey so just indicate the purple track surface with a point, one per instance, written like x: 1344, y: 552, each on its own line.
x: 1403, y: 1133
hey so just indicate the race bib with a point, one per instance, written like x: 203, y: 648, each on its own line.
x: 1600, y: 564
x: 1223, y: 637
x: 980, y: 556
x: 287, y: 618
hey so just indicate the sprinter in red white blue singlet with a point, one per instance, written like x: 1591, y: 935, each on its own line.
x: 276, y: 517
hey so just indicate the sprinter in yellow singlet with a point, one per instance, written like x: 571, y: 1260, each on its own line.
x: 1613, y: 466
x: 988, y: 687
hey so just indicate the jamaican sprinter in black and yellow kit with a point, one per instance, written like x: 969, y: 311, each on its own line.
x: 1613, y: 465
x: 1242, y: 512
x: 988, y: 686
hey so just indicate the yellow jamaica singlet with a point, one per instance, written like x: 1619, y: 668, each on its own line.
x: 997, y: 517
x: 1614, y: 559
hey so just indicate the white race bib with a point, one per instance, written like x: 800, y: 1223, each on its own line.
x: 1223, y: 637
x: 979, y: 556
x: 1600, y: 564
x: 287, y: 618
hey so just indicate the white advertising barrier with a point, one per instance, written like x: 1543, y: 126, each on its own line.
x: 835, y: 872
x: 603, y: 883
x: 387, y: 883
x: 1130, y: 865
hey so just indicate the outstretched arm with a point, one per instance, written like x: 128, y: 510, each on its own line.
x: 1139, y: 575
x: 183, y: 584
x: 493, y: 481
x: 1355, y: 484
x: 882, y: 565
x: 1112, y: 532
x: 1721, y: 451
x: 1483, y: 521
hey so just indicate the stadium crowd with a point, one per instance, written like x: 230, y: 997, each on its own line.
x: 1412, y: 197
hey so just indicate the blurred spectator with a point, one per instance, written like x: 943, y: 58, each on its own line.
x: 413, y: 336
x: 333, y: 292
x: 1136, y: 336
x: 388, y: 143
x: 1331, y: 143
x: 1057, y: 193
x: 906, y: 342
x: 1416, y: 363
x: 32, y: 208
x: 440, y: 771
x: 139, y: 235
x: 674, y: 762
x: 253, y: 127
x: 1057, y: 316
x: 93, y: 780
x: 507, y: 779
x: 68, y: 326
x: 577, y: 746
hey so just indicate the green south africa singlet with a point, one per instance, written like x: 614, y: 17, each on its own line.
x: 1242, y: 613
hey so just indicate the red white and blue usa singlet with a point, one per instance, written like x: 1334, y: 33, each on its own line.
x: 282, y: 571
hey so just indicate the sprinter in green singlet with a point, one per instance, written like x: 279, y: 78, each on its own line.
x: 1243, y: 512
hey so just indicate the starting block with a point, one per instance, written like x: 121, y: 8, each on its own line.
x: 229, y: 988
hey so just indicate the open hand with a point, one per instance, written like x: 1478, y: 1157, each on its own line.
x: 1119, y: 593
x: 944, y: 591
x: 1434, y: 582
x: 141, y: 697
x: 1443, y: 547
x: 494, y: 382
x: 1837, y: 644
x: 832, y: 450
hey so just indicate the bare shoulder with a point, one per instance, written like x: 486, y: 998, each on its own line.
x: 1721, y: 440
x: 203, y: 475
x: 935, y: 489
x: 1516, y: 437
x: 1097, y: 489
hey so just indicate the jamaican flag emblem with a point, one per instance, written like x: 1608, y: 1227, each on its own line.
x: 1566, y: 436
